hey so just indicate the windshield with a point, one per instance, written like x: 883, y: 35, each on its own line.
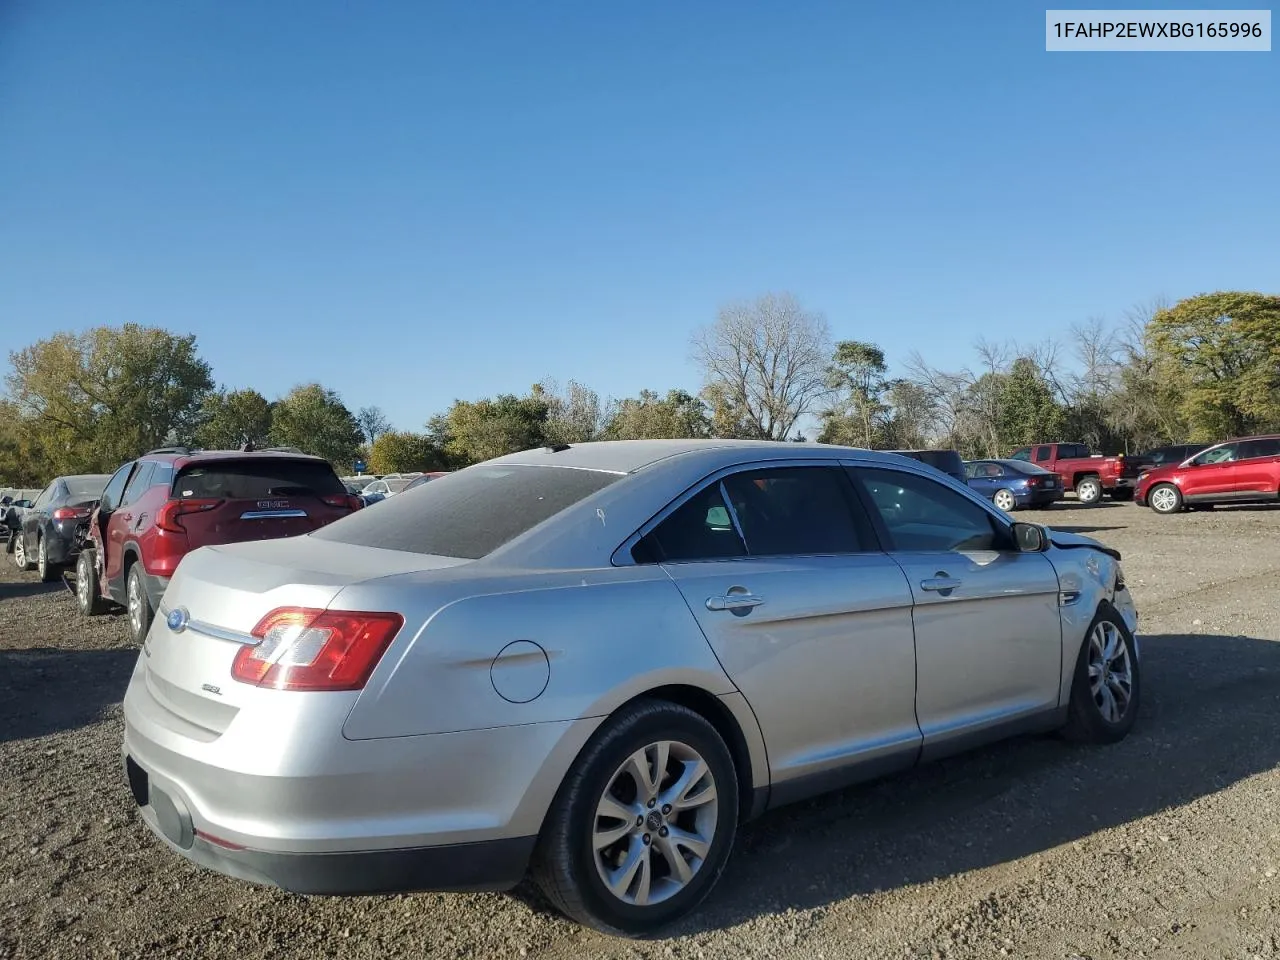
x: 86, y: 487
x: 468, y: 514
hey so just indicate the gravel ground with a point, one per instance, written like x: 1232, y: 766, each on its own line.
x: 1167, y: 845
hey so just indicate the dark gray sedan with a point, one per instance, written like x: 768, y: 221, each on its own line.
x: 53, y: 529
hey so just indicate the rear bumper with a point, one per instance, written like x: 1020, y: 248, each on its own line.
x: 460, y: 867
x: 62, y: 545
x: 1126, y: 483
x: 280, y: 797
x: 1038, y: 498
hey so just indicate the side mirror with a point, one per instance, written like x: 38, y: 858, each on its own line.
x: 1029, y: 538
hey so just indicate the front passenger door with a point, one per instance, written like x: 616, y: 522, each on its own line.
x: 811, y: 621
x: 987, y: 623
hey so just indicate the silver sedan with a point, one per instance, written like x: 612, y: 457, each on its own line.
x: 593, y: 663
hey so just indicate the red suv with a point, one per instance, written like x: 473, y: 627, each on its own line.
x: 168, y: 502
x: 1238, y: 471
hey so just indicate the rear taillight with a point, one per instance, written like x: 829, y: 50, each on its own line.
x: 168, y: 516
x: 350, y: 501
x: 70, y: 513
x: 307, y: 649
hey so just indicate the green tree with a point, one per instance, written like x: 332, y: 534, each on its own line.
x: 858, y: 410
x: 910, y: 423
x: 402, y: 452
x: 1028, y: 412
x: 315, y: 420
x: 92, y: 400
x: 678, y: 415
x: 1224, y: 349
x: 472, y: 431
x: 230, y: 419
x: 574, y: 415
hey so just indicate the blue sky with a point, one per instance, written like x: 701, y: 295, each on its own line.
x: 413, y: 202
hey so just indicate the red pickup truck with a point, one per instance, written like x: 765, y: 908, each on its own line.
x: 1090, y: 475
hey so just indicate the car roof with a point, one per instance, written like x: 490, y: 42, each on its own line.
x: 196, y: 456
x: 631, y: 456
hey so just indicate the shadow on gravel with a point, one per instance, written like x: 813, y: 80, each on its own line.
x: 1209, y: 718
x: 47, y: 690
x: 30, y: 588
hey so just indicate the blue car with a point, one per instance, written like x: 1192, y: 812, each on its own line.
x: 1013, y: 484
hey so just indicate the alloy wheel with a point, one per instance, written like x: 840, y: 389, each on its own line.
x: 42, y: 558
x: 1004, y: 500
x: 1110, y: 671
x: 135, y: 606
x: 20, y: 553
x: 655, y: 823
x: 82, y: 585
x: 1164, y: 500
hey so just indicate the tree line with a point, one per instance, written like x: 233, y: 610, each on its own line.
x: 1202, y: 369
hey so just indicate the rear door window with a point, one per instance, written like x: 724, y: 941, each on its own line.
x: 1255, y: 449
x: 255, y: 479
x: 468, y: 514
x: 1043, y: 454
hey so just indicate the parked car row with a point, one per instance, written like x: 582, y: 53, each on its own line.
x: 1246, y: 470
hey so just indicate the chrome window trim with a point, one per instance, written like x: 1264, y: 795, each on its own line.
x: 621, y: 557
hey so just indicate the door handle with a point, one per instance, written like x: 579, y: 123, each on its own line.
x: 941, y: 584
x: 734, y: 601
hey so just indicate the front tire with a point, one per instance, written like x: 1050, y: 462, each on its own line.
x: 643, y: 824
x: 1106, y: 687
x: 1005, y: 500
x: 88, y: 593
x: 1089, y: 490
x: 138, y: 605
x: 1165, y: 498
x: 20, y: 552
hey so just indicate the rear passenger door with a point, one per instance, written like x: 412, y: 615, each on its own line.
x: 808, y: 617
x: 988, y: 628
x: 1258, y: 469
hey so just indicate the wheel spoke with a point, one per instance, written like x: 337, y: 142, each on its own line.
x: 634, y: 867
x: 624, y: 822
x: 689, y: 841
x: 1108, y: 704
x: 681, y: 871
x: 682, y: 795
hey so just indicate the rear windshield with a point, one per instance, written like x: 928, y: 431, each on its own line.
x: 1023, y: 467
x: 86, y: 487
x: 254, y: 479
x: 468, y: 514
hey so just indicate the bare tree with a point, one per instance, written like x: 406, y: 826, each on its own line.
x: 767, y: 359
x: 373, y: 423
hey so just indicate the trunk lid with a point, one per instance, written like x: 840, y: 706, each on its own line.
x: 257, y: 498
x: 217, y: 597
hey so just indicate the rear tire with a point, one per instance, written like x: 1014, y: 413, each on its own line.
x: 1089, y: 490
x: 1106, y: 687
x: 48, y: 572
x: 137, y: 604
x: 1004, y: 500
x: 685, y: 800
x: 88, y: 590
x: 1165, y: 498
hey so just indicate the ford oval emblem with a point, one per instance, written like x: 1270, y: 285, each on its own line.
x: 177, y: 619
